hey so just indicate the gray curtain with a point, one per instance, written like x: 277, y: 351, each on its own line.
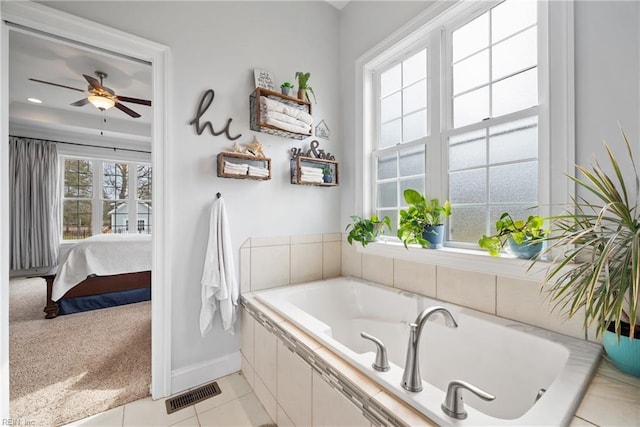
x: 34, y: 203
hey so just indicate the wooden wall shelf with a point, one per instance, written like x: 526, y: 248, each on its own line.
x: 238, y: 158
x: 299, y: 161
x: 258, y: 125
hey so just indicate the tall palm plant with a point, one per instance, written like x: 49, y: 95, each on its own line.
x: 596, y: 249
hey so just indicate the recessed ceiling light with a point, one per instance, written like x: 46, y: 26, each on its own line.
x: 34, y: 100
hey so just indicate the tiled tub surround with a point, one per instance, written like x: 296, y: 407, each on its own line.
x: 510, y: 360
x: 612, y: 398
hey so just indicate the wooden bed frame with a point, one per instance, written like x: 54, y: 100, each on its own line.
x: 95, y: 285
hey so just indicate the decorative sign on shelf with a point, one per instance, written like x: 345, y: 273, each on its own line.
x: 205, y: 102
x: 264, y: 79
x: 322, y: 130
x: 312, y: 152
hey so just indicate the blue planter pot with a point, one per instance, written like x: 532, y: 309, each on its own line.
x: 625, y: 354
x: 327, y: 178
x: 524, y: 250
x: 434, y: 234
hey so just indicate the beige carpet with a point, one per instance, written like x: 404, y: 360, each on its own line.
x: 77, y: 365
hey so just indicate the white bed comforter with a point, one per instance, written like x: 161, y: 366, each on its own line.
x: 102, y: 255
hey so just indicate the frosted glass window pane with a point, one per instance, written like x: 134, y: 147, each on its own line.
x: 515, y: 54
x: 468, y: 150
x: 412, y: 161
x: 391, y: 133
x: 390, y: 80
x: 414, y: 97
x: 515, y: 93
x: 414, y: 68
x: 467, y: 224
x: 472, y: 72
x: 393, y: 218
x: 468, y: 186
x: 414, y: 126
x: 516, y: 183
x: 471, y: 107
x: 471, y: 37
x: 390, y: 107
x: 512, y: 16
x: 416, y: 184
x: 514, y: 141
x: 387, y: 167
x: 387, y: 195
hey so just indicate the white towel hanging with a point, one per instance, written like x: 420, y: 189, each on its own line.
x: 219, y: 284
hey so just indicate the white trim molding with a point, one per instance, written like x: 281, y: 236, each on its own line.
x: 204, y: 372
x: 37, y: 18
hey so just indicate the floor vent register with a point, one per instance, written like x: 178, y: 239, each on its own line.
x: 192, y: 397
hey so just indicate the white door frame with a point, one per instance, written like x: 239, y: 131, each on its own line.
x: 42, y: 18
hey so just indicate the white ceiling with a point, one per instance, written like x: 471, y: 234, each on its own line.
x: 34, y: 56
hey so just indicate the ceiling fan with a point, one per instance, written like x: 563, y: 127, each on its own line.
x: 101, y: 96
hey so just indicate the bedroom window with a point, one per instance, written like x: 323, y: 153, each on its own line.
x: 123, y: 198
x: 456, y: 117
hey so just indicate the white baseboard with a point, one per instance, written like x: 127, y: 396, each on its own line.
x: 200, y: 373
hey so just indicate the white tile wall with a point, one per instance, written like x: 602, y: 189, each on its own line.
x: 414, y: 277
x: 283, y: 420
x: 247, y: 325
x: 331, y: 259
x: 470, y: 289
x: 306, y: 238
x: 351, y: 261
x: 245, y: 270
x: 266, y: 398
x: 306, y: 262
x: 269, y: 266
x: 377, y: 269
x: 266, y: 357
x: 331, y: 409
x: 294, y: 387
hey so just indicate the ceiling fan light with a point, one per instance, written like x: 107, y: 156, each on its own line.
x: 101, y: 102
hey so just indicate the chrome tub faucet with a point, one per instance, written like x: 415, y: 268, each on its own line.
x: 411, y: 379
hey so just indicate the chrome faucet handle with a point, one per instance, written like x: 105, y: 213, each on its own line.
x: 454, y: 404
x: 382, y: 362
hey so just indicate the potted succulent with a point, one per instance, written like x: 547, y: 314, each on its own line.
x: 365, y: 230
x: 326, y: 174
x: 595, y: 247
x: 422, y: 223
x: 303, y: 86
x: 287, y: 88
x: 522, y: 238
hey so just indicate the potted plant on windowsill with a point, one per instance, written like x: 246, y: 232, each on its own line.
x: 522, y: 238
x: 421, y: 222
x: 365, y: 230
x: 595, y: 247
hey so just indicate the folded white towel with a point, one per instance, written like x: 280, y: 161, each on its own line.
x: 311, y: 179
x: 311, y: 170
x: 272, y: 105
x: 287, y: 119
x: 236, y: 169
x: 287, y: 126
x: 257, y: 171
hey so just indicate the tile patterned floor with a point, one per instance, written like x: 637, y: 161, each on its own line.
x: 237, y: 405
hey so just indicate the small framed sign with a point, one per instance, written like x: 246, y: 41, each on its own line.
x: 264, y: 79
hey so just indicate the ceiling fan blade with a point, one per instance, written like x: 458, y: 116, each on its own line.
x: 127, y: 110
x: 93, y: 82
x: 80, y: 103
x: 134, y: 100
x: 56, y: 84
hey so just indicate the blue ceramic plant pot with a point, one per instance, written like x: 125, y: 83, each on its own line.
x: 524, y: 250
x: 625, y: 354
x: 434, y: 234
x: 327, y: 178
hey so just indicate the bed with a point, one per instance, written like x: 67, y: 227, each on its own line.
x: 101, y: 271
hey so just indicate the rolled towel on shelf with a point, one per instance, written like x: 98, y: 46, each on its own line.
x: 258, y: 171
x: 287, y: 119
x: 313, y: 179
x: 288, y: 126
x: 272, y: 105
x: 235, y: 168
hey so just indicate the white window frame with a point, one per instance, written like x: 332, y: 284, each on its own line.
x: 97, y: 198
x: 556, y: 132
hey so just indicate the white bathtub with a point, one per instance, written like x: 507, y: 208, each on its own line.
x: 510, y: 360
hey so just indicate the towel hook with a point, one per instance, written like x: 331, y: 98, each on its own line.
x: 218, y: 195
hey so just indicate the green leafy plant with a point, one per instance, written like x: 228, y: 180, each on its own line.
x: 365, y: 230
x: 522, y: 232
x: 326, y: 170
x: 303, y: 85
x: 420, y: 214
x: 287, y: 84
x: 596, y: 249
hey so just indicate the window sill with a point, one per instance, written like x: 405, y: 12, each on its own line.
x: 464, y: 259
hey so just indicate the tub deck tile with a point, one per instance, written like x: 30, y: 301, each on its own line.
x: 275, y: 317
x: 300, y: 335
x: 402, y: 411
x: 349, y: 372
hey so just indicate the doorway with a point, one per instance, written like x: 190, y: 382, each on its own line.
x: 39, y: 19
